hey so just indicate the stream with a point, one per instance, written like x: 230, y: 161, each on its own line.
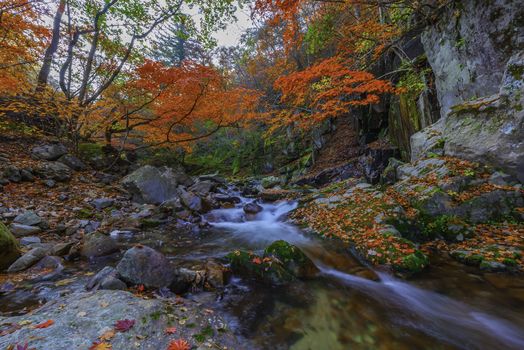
x: 347, y: 306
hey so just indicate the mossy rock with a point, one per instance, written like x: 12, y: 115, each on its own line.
x: 252, y: 265
x: 412, y: 263
x: 282, y: 262
x: 293, y: 259
x: 467, y: 258
x: 9, y: 249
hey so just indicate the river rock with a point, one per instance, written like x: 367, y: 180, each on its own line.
x: 107, y: 278
x: 191, y: 201
x: 203, y: 187
x: 252, y: 208
x: 144, y: 265
x: 152, y: 185
x: 49, y: 152
x: 9, y: 250
x: 29, y: 218
x: 20, y: 230
x: 102, y: 203
x: 102, y: 310
x: 55, y: 171
x: 30, y: 240
x: 98, y: 244
x: 208, y: 276
x: 28, y: 259
x: 293, y: 259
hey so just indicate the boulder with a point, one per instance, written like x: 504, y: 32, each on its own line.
x: 203, y: 187
x: 102, y: 203
x: 27, y: 175
x: 29, y: 218
x: 9, y: 250
x: 98, y: 244
x: 191, y: 201
x: 20, y: 230
x: 55, y: 171
x: 81, y: 318
x: 49, y: 152
x: 28, y: 259
x: 208, y: 276
x: 252, y: 208
x: 146, y: 266
x: 107, y: 278
x: 12, y: 173
x: 72, y: 162
x: 292, y: 258
x: 30, y: 240
x: 152, y: 185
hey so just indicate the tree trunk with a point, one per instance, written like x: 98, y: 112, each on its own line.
x: 51, y: 49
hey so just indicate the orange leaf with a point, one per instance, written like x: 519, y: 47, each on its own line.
x: 179, y: 344
x: 101, y: 346
x: 46, y: 324
x: 171, y: 330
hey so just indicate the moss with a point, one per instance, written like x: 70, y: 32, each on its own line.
x: 85, y: 213
x: 413, y: 263
x: 509, y: 262
x: 516, y: 71
x: 446, y: 226
x: 148, y: 223
x: 9, y: 250
x: 90, y: 150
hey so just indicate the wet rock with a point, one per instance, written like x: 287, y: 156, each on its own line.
x: 203, y: 187
x: 107, y: 278
x: 252, y: 208
x: 217, y: 179
x: 208, y: 276
x: 191, y: 201
x: 224, y: 198
x: 55, y: 171
x: 152, y: 185
x: 52, y: 265
x: 274, y: 195
x: 281, y: 263
x: 72, y: 162
x: 102, y: 309
x: 61, y: 249
x: 144, y: 265
x: 28, y: 259
x: 9, y: 250
x: 492, y: 266
x: 29, y: 218
x: 292, y: 258
x: 30, y: 240
x: 98, y: 244
x: 270, y: 181
x: 20, y: 230
x: 49, y: 152
x: 102, y: 203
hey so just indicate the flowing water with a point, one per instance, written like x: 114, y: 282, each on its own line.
x: 347, y: 306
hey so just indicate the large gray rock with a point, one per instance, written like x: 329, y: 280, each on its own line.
x: 98, y: 244
x: 29, y: 218
x: 81, y: 318
x: 72, y: 162
x: 203, y: 187
x: 107, y: 278
x: 144, y: 265
x: 20, y: 230
x: 9, y: 250
x: 191, y: 200
x: 49, y: 152
x: 28, y: 259
x: 469, y: 46
x: 152, y: 185
x: 55, y: 171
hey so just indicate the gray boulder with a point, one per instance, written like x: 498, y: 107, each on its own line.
x: 49, y: 152
x: 152, y: 185
x: 144, y: 265
x: 20, y: 230
x: 102, y: 203
x: 81, y: 318
x: 29, y: 218
x: 28, y: 259
x: 203, y: 187
x: 190, y: 200
x: 98, y: 244
x: 30, y: 240
x: 55, y: 171
x: 107, y: 278
x: 73, y: 162
x: 252, y: 208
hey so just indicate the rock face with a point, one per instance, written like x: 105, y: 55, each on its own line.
x: 487, y: 130
x: 9, y: 250
x: 469, y: 46
x: 144, y: 265
x: 153, y: 185
x: 102, y: 310
x: 49, y: 152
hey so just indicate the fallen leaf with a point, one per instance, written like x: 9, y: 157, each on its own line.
x: 65, y: 282
x: 124, y: 325
x: 179, y: 344
x: 45, y: 324
x: 171, y: 330
x: 107, y: 335
x: 100, y: 346
x: 25, y: 322
x: 104, y: 304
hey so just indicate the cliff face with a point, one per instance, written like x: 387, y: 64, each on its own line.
x: 469, y: 47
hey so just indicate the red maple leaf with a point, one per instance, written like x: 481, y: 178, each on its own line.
x: 124, y: 325
x: 45, y: 324
x: 179, y: 344
x: 171, y: 330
